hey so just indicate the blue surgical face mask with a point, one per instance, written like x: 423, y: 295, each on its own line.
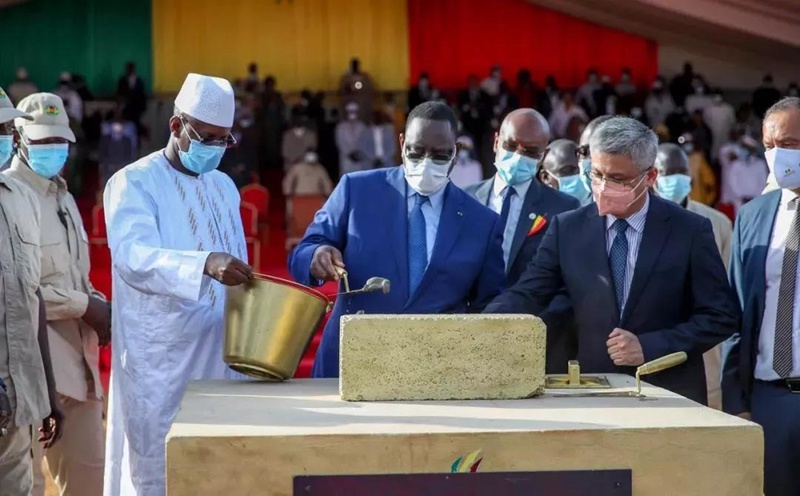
x: 47, y: 160
x: 200, y: 158
x: 675, y: 187
x: 514, y: 168
x: 575, y: 187
x: 6, y: 148
x: 586, y: 167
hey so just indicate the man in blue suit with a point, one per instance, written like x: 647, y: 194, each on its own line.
x: 526, y: 208
x: 761, y: 375
x: 643, y: 275
x: 439, y: 247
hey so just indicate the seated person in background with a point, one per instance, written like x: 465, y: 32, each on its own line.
x: 747, y: 174
x: 560, y: 170
x: 439, y: 247
x: 704, y: 182
x: 306, y: 178
x: 467, y: 170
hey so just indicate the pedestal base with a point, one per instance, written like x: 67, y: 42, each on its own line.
x: 255, y: 438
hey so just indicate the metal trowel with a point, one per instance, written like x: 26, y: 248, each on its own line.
x: 373, y: 284
x: 651, y: 367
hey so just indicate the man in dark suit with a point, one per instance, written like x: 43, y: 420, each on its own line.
x: 761, y: 373
x: 643, y: 275
x: 526, y: 208
x: 439, y: 247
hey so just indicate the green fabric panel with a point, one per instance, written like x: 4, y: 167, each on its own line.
x: 94, y: 38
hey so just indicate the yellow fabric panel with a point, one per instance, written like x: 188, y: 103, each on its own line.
x: 303, y: 43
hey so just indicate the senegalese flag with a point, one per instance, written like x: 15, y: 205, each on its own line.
x: 468, y: 464
x: 537, y: 225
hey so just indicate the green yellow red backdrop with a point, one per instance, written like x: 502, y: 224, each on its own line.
x: 308, y: 43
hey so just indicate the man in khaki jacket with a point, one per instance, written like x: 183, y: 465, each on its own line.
x: 78, y: 317
x: 28, y: 396
x: 674, y: 183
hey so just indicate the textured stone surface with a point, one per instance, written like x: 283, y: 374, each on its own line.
x: 243, y: 438
x: 441, y: 357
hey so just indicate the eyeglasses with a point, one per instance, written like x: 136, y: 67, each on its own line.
x: 438, y: 158
x: 631, y: 183
x: 226, y: 142
x: 534, y: 153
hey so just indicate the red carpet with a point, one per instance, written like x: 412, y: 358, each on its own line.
x: 273, y: 261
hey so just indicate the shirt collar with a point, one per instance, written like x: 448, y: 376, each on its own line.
x: 499, y: 187
x: 787, y: 196
x: 436, y: 199
x: 39, y: 184
x: 636, y: 221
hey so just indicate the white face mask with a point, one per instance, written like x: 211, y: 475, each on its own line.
x: 426, y: 178
x: 784, y: 164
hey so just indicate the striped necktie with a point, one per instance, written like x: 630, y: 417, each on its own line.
x: 782, y: 358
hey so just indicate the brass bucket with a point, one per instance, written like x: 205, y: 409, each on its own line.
x: 268, y: 324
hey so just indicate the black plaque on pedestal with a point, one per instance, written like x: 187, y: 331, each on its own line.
x: 564, y: 483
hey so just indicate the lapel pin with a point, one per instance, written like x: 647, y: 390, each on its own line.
x: 459, y: 214
x: 531, y: 216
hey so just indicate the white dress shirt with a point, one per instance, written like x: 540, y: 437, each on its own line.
x: 431, y: 210
x: 496, y: 204
x: 772, y: 272
x: 634, y: 234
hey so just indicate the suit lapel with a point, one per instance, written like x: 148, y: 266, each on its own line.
x: 763, y: 235
x: 450, y: 223
x: 530, y: 204
x: 397, y: 230
x: 596, y: 259
x: 656, y: 232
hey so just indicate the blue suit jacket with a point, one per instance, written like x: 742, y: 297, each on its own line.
x: 679, y: 298
x: 366, y: 218
x: 562, y: 341
x: 751, y: 238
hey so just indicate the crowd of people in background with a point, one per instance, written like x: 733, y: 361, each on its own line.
x: 357, y: 128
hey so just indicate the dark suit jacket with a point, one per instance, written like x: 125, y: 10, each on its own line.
x: 679, y: 299
x: 540, y: 200
x: 751, y: 238
x: 366, y: 218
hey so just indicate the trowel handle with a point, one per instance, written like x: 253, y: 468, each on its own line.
x: 662, y: 363
x: 343, y: 276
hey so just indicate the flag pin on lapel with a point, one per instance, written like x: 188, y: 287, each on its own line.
x: 537, y: 225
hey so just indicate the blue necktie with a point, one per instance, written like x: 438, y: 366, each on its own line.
x: 618, y: 259
x: 417, y: 244
x: 510, y: 193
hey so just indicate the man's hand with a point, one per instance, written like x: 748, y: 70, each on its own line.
x: 323, y: 264
x: 227, y: 269
x: 52, y: 426
x: 98, y: 316
x: 746, y: 416
x: 624, y: 348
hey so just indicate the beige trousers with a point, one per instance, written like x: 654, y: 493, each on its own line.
x: 16, y: 477
x: 76, y: 461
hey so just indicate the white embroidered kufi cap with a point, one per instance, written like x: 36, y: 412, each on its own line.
x: 207, y: 99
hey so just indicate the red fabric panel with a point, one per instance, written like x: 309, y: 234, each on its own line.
x: 451, y: 39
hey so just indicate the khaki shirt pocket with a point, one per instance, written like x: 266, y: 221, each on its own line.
x: 29, y: 256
